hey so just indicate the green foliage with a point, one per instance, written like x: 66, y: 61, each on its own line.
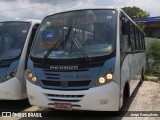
x: 149, y: 73
x: 143, y: 14
x: 135, y: 12
x: 141, y: 26
x: 153, y: 49
x: 153, y: 56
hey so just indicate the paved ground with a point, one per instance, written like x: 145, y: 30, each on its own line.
x: 147, y: 97
x: 145, y: 101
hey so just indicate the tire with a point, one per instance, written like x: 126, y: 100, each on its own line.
x: 125, y: 98
x: 142, y: 78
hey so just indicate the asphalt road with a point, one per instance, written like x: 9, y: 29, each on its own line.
x: 15, y: 105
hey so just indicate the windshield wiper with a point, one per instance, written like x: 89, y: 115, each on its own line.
x: 80, y: 48
x: 52, y: 48
x: 59, y: 42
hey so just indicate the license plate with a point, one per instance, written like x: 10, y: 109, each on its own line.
x: 66, y: 106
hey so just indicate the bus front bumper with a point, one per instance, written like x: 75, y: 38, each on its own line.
x: 11, y: 90
x: 103, y: 98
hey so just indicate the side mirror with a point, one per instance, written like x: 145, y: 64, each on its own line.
x: 125, y: 26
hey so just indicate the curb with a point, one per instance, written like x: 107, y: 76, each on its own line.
x: 149, y: 78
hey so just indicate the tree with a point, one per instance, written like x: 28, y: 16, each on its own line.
x: 135, y: 12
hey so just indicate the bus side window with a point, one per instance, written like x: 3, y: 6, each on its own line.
x: 125, y: 35
x: 137, y: 39
x: 124, y: 45
x: 132, y: 38
x: 143, y: 43
x: 34, y: 30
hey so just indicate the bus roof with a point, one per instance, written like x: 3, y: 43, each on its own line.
x: 89, y: 7
x: 95, y: 7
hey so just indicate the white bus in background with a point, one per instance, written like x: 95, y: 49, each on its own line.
x: 16, y: 37
x: 86, y: 59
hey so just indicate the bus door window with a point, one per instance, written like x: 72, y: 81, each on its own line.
x: 124, y: 44
x: 34, y: 30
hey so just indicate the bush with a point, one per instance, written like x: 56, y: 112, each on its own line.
x: 153, y: 56
x: 153, y: 49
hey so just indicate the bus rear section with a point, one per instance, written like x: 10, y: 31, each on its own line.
x: 72, y: 64
x: 14, y: 39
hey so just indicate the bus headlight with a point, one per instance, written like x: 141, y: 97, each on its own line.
x: 104, y: 79
x: 109, y: 76
x: 31, y: 77
x: 10, y: 75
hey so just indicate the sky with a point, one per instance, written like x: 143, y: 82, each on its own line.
x: 38, y: 9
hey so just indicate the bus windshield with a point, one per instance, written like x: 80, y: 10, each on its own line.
x: 76, y: 34
x: 12, y: 38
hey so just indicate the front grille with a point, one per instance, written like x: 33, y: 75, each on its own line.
x: 52, y: 76
x: 68, y: 70
x: 61, y: 100
x: 65, y: 80
x: 66, y: 96
x: 70, y: 83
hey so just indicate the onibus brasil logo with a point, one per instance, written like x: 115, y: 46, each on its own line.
x: 26, y: 114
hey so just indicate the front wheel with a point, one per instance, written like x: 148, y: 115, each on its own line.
x: 125, y: 99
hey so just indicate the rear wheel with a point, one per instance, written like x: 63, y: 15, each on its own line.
x: 142, y: 78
